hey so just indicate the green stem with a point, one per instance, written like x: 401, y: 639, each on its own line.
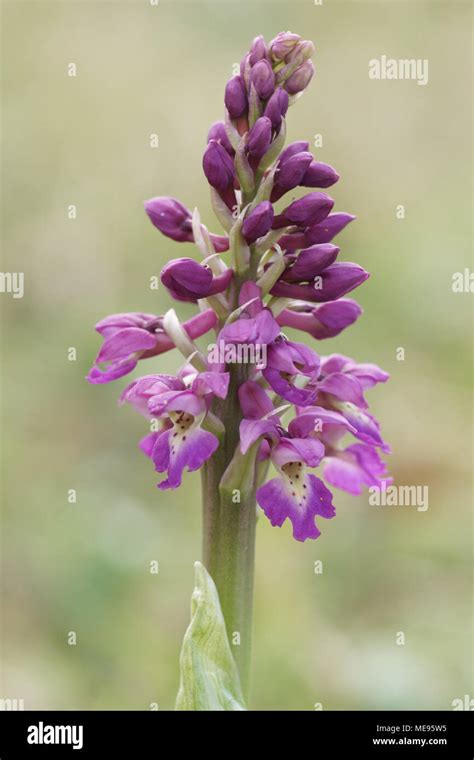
x: 229, y: 535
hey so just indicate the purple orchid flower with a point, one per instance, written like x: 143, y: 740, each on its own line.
x: 261, y: 420
x: 286, y: 362
x: 134, y: 336
x: 341, y: 387
x: 350, y: 468
x: 255, y: 325
x: 184, y: 404
x: 322, y: 321
x: 355, y: 467
x: 295, y: 494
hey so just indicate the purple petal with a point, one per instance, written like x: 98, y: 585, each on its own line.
x: 147, y: 444
x: 318, y: 417
x: 117, y: 369
x: 211, y: 382
x: 252, y: 430
x: 343, y: 387
x: 254, y: 401
x: 125, y: 342
x: 283, y: 387
x: 173, y: 454
x: 355, y: 467
x: 307, y: 450
x: 280, y: 500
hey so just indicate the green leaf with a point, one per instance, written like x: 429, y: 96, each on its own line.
x: 209, y: 675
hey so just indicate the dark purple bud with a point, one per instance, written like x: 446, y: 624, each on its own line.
x: 293, y: 241
x: 188, y: 280
x: 300, y: 78
x: 300, y: 146
x: 218, y: 166
x: 218, y: 132
x: 311, y: 262
x: 171, y: 218
x: 277, y: 107
x: 335, y: 281
x: 258, y: 222
x: 306, y: 211
x: 323, y: 321
x: 260, y: 137
x: 235, y: 97
x: 282, y: 45
x: 258, y: 50
x: 263, y: 79
x: 290, y: 173
x: 319, y: 175
x: 325, y: 231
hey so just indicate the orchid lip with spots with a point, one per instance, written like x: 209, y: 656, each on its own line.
x: 258, y: 429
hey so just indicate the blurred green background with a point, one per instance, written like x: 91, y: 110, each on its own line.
x: 84, y: 567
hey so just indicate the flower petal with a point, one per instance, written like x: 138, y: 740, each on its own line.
x: 280, y: 501
x: 173, y: 452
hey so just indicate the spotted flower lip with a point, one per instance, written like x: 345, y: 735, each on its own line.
x: 183, y: 443
x: 129, y: 337
x: 188, y: 280
x: 296, y: 495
